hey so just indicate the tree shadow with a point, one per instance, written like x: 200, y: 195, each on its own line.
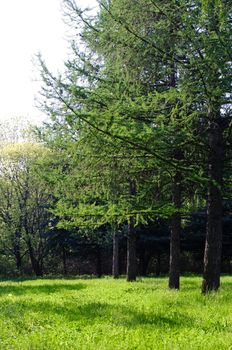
x: 47, y: 277
x: 92, y: 312
x: 69, y: 309
x: 20, y: 289
x: 133, y: 319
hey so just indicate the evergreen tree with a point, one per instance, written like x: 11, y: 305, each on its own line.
x: 150, y: 89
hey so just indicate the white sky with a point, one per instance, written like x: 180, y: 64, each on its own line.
x: 27, y: 27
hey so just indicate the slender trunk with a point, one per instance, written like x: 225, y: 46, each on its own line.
x: 18, y: 259
x: 144, y: 260
x: 64, y: 258
x: 115, y: 265
x: 213, y: 243
x: 36, y: 265
x: 16, y: 250
x: 99, y: 263
x: 174, y: 264
x: 158, y: 265
x: 131, y: 269
x: 174, y: 261
x: 131, y: 251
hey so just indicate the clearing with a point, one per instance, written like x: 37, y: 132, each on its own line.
x: 112, y: 314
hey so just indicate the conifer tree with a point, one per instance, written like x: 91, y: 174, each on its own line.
x: 151, y: 85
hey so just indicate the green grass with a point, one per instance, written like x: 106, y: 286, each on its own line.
x: 108, y: 314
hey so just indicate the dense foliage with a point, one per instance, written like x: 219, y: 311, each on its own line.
x: 139, y: 139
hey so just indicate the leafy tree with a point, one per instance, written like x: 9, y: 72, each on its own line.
x: 25, y: 200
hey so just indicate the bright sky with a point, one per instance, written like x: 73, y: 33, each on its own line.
x: 27, y: 27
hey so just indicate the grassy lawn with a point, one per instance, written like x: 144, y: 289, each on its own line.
x: 107, y: 314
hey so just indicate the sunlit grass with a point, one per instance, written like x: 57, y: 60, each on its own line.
x: 113, y: 314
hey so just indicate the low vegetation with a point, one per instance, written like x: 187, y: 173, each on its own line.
x: 113, y: 314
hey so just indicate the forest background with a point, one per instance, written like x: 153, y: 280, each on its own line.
x: 136, y: 155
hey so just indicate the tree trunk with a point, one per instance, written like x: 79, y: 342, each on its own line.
x: 144, y: 260
x: 131, y: 251
x: 213, y: 243
x: 131, y: 269
x: 64, y: 258
x: 18, y: 259
x: 16, y: 250
x: 99, y: 263
x: 158, y: 265
x: 36, y: 265
x: 115, y: 264
x: 174, y: 263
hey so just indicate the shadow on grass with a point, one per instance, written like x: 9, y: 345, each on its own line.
x: 47, y: 277
x: 68, y: 308
x: 20, y: 289
x: 190, y: 283
x: 95, y: 312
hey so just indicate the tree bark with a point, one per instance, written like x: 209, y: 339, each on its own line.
x: 17, y: 250
x: 213, y: 243
x: 144, y: 260
x: 17, y: 254
x: 36, y: 265
x: 174, y: 259
x: 131, y: 251
x: 115, y: 263
x: 18, y: 259
x: 131, y: 268
x: 99, y: 263
x: 158, y: 265
x: 174, y: 263
x: 64, y: 258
